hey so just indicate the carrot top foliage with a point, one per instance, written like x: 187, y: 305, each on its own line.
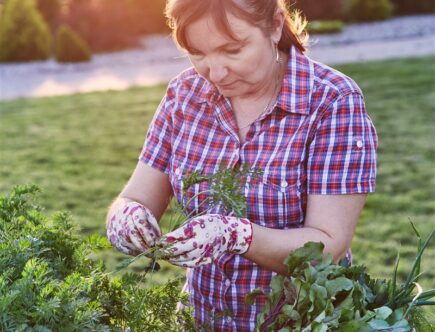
x: 48, y: 282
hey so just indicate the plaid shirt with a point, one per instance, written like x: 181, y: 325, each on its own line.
x: 317, y: 139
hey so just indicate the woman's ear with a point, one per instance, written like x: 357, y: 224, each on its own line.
x: 278, y: 25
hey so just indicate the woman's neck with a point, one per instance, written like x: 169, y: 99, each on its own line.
x: 253, y: 104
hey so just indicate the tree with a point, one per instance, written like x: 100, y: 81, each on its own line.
x: 24, y: 35
x: 70, y: 47
x: 50, y: 10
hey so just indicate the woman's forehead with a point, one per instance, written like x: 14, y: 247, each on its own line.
x: 206, y: 27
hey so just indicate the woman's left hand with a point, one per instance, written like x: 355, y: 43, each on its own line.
x: 202, y: 239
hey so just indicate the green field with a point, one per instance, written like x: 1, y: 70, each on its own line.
x: 81, y: 149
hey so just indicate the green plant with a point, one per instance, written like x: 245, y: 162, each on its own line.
x: 318, y: 295
x: 320, y: 27
x: 24, y: 35
x: 223, y: 193
x: 50, y: 11
x: 49, y: 282
x: 70, y: 47
x: 369, y: 10
x: 224, y: 190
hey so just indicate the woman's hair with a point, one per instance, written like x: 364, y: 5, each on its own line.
x: 181, y: 13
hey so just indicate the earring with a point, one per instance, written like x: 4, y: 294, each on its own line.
x: 278, y: 56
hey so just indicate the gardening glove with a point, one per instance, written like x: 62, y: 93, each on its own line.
x: 133, y: 229
x: 202, y: 239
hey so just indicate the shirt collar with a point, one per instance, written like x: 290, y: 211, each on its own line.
x: 209, y: 92
x: 296, y: 87
x: 297, y: 84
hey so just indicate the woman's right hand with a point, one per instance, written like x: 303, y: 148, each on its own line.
x: 133, y: 229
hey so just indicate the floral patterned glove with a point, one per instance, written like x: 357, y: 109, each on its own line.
x: 203, y: 239
x: 133, y: 229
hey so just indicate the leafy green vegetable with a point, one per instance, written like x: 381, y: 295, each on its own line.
x: 49, y: 283
x: 224, y: 192
x: 318, y: 295
x: 224, y: 189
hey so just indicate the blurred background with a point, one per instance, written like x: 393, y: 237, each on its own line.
x: 80, y: 81
x: 58, y: 47
x: 37, y: 29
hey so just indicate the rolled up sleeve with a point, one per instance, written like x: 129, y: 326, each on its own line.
x: 156, y: 151
x: 342, y: 154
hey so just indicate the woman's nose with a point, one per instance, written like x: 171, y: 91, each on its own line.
x: 217, y: 73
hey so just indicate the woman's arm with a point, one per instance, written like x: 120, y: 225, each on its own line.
x: 132, y: 220
x: 330, y: 219
x: 147, y: 186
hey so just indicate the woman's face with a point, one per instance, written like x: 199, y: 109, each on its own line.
x: 237, y: 68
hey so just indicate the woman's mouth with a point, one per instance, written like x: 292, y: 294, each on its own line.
x: 226, y: 86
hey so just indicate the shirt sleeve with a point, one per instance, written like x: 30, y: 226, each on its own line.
x: 342, y: 154
x: 156, y: 151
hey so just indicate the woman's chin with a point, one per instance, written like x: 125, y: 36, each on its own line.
x: 228, y: 92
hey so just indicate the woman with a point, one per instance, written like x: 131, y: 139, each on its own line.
x: 251, y: 98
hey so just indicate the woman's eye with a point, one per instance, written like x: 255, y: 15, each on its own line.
x: 196, y: 54
x: 233, y: 51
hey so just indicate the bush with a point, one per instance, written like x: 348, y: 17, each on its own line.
x: 24, y: 35
x: 51, y: 11
x: 406, y: 7
x: 320, y: 27
x: 70, y: 47
x: 370, y: 10
x: 49, y: 283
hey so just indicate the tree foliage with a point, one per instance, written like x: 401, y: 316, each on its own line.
x: 70, y: 47
x: 24, y: 35
x: 50, y: 11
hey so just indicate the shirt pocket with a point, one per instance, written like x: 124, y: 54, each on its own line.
x: 275, y: 201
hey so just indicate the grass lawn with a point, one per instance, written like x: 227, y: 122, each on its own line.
x: 82, y: 149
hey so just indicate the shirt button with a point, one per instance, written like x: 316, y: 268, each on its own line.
x: 177, y: 171
x: 228, y: 283
x: 359, y: 144
x: 284, y: 184
x: 229, y: 319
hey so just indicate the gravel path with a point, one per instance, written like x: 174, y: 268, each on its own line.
x: 158, y: 60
